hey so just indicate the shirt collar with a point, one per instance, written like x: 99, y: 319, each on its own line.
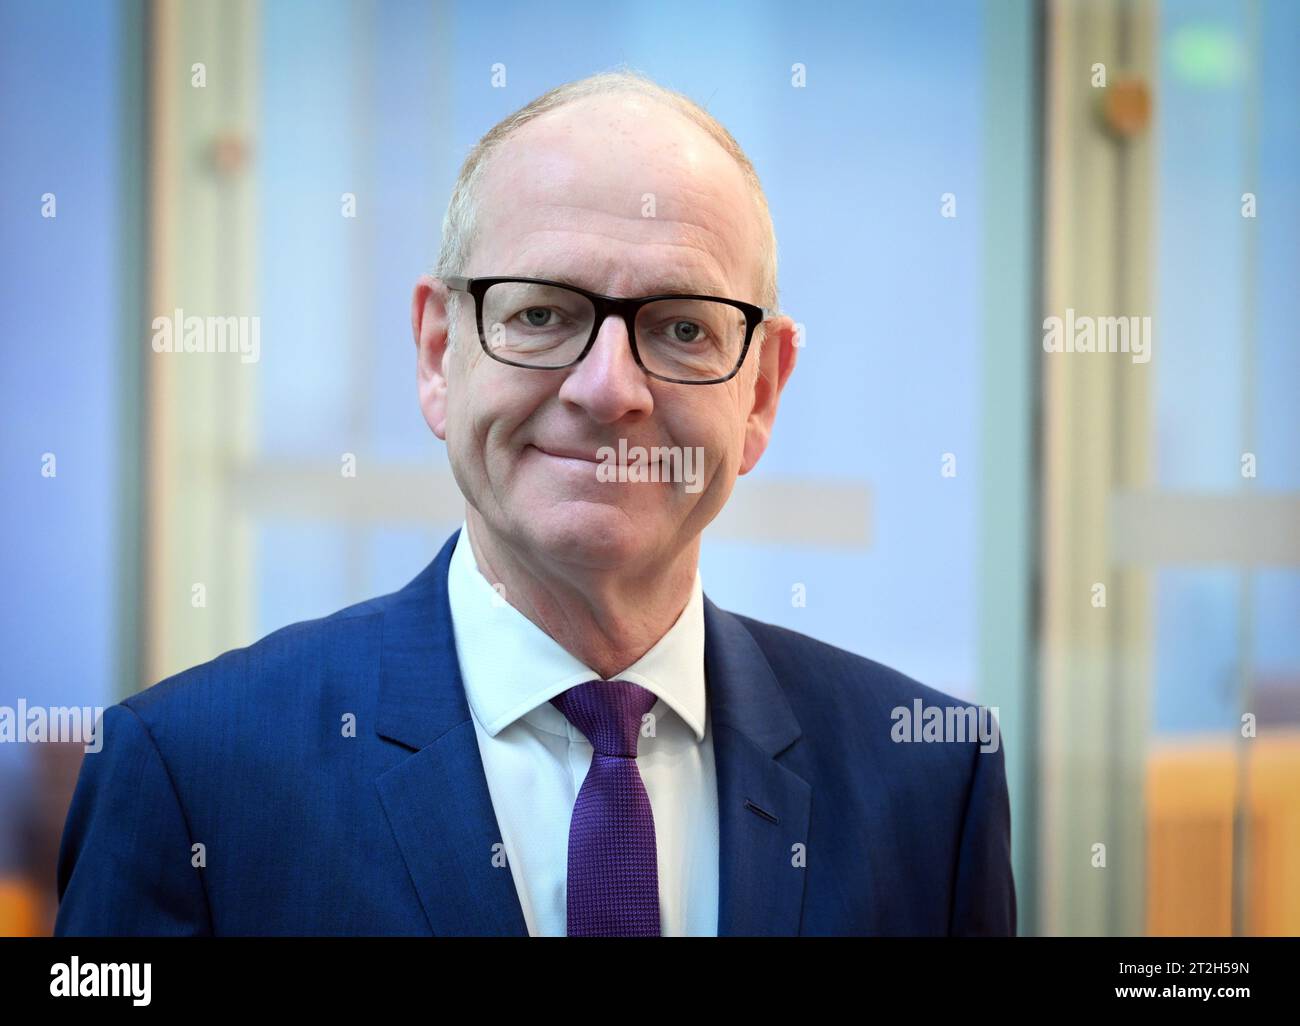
x: 511, y: 668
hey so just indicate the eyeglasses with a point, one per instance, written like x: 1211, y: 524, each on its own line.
x: 545, y: 325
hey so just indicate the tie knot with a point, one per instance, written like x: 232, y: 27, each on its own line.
x: 608, y: 712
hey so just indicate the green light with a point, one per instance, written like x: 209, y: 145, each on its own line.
x: 1206, y: 55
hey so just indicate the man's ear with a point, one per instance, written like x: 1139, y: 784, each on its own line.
x: 429, y: 324
x: 775, y: 363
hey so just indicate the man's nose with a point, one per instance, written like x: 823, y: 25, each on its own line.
x: 607, y: 382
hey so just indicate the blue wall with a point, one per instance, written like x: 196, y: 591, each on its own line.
x: 60, y: 322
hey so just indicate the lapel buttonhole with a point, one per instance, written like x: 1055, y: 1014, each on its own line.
x: 761, y: 812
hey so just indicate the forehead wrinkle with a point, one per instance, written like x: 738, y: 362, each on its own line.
x: 589, y: 270
x: 688, y: 198
x: 623, y: 227
x: 698, y: 239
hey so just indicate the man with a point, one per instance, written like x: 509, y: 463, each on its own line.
x: 551, y: 730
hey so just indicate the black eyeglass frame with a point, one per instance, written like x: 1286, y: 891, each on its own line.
x: 606, y: 306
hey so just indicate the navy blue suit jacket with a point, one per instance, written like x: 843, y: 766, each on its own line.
x: 305, y: 830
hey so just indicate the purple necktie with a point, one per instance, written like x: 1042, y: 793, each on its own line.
x: 613, y: 873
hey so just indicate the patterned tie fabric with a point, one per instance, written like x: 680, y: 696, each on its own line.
x: 613, y: 875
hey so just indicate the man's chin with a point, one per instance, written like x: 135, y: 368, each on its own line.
x: 580, y: 532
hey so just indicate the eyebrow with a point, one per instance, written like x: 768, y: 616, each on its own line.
x: 661, y: 286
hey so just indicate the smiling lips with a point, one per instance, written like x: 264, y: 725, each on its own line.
x: 565, y: 454
x: 571, y: 454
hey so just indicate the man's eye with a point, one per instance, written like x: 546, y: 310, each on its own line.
x: 686, y: 331
x: 537, y: 316
x: 683, y: 333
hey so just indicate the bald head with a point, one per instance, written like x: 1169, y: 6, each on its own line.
x: 628, y: 196
x: 585, y: 106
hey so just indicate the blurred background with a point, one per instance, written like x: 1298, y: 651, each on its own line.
x: 1106, y: 550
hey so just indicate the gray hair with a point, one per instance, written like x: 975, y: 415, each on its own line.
x: 459, y: 224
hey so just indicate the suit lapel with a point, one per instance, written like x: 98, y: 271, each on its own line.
x: 437, y: 799
x: 763, y: 807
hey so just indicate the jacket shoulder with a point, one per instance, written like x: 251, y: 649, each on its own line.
x: 801, y: 661
x: 273, y: 672
x: 854, y: 710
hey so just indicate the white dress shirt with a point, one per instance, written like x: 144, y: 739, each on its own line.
x: 535, y: 760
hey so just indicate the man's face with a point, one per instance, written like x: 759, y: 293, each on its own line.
x: 564, y: 199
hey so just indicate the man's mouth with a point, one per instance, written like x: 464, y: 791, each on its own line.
x: 575, y: 457
x: 564, y: 454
